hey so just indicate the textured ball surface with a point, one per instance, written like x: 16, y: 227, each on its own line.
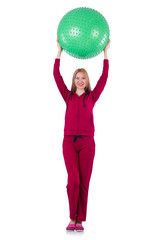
x: 83, y: 33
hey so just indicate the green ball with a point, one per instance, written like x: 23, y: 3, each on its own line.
x: 83, y: 33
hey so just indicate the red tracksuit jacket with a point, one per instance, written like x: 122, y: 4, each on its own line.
x: 79, y: 109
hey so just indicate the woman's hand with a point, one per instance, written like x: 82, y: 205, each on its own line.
x: 108, y: 46
x: 58, y: 46
x: 106, y: 49
x: 59, y: 49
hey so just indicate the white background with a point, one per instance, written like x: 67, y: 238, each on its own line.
x: 124, y: 190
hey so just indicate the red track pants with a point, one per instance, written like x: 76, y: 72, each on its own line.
x: 78, y: 157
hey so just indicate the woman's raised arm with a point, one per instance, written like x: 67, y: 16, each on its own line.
x: 58, y: 78
x: 96, y: 92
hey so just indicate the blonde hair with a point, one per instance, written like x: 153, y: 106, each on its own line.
x: 88, y: 86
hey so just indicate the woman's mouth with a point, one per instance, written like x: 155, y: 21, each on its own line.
x: 80, y: 84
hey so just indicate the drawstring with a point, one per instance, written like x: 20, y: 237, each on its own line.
x: 76, y: 136
x: 83, y: 98
x: 69, y: 99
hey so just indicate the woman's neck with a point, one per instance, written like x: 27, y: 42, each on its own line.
x: 79, y: 92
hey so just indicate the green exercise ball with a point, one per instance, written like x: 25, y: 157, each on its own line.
x: 83, y: 33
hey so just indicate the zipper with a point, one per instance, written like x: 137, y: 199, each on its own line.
x: 78, y: 117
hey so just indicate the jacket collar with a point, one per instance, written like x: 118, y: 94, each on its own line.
x: 79, y: 95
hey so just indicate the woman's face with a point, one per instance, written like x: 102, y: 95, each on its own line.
x: 80, y: 81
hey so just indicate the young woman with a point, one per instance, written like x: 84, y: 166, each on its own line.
x: 78, y: 142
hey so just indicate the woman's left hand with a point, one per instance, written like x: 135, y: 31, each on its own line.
x: 108, y: 46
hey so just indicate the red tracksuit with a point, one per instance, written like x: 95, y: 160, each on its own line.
x: 78, y: 142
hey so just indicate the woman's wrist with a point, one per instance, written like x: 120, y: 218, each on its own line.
x: 58, y: 54
x: 105, y: 54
